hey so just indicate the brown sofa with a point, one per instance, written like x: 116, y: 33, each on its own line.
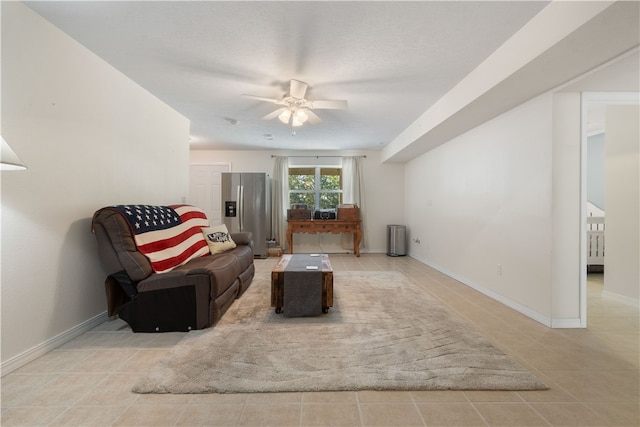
x: 190, y: 296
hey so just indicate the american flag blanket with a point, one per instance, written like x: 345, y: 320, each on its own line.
x: 168, y: 236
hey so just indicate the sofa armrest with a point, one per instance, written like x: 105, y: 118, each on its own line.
x: 242, y: 238
x: 170, y: 279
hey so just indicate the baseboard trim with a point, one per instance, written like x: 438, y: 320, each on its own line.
x: 621, y: 298
x: 569, y: 323
x: 538, y: 317
x: 33, y: 353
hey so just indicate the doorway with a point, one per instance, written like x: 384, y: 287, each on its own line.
x: 619, y: 192
x: 205, y: 189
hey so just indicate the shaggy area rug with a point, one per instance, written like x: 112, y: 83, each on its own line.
x: 383, y: 333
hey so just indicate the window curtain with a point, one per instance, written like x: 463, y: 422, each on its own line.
x: 353, y: 192
x: 280, y: 200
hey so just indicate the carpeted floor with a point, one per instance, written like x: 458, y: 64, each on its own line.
x: 383, y: 333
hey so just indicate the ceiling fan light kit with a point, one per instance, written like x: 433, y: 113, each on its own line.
x: 285, y: 116
x: 299, y: 118
x: 295, y: 108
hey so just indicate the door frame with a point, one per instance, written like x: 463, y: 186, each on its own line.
x: 613, y: 98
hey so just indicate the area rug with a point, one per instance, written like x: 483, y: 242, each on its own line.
x: 383, y: 333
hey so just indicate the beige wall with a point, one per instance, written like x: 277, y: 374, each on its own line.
x: 505, y: 196
x: 90, y: 137
x: 622, y: 193
x: 480, y: 205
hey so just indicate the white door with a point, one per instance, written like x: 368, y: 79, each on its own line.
x: 205, y: 190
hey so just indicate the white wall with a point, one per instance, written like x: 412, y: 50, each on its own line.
x: 508, y: 193
x: 480, y: 205
x: 566, y: 211
x: 383, y: 192
x: 622, y: 193
x: 90, y: 137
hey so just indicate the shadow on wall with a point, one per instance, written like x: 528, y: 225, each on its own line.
x: 79, y: 284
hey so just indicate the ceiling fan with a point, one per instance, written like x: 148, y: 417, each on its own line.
x: 296, y: 109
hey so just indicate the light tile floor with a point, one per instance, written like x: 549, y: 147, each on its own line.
x: 593, y: 374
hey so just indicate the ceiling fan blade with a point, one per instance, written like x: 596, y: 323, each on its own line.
x: 261, y: 98
x: 274, y: 114
x: 313, y: 117
x: 297, y: 89
x: 329, y: 104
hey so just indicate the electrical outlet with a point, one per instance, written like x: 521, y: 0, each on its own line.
x: 499, y: 270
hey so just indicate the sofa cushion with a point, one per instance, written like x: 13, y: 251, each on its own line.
x: 244, y: 254
x: 222, y: 269
x: 218, y: 239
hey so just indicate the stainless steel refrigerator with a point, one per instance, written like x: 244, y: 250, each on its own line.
x: 246, y: 204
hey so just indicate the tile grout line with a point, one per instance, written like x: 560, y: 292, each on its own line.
x: 184, y: 409
x: 301, y: 409
x: 539, y: 414
x: 486, y: 423
x: 360, y: 416
x: 415, y: 405
x: 244, y: 406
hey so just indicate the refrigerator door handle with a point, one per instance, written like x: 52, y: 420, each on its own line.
x: 241, y: 207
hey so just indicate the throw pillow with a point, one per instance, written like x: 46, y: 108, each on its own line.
x: 218, y: 239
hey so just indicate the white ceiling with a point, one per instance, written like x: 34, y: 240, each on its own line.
x: 400, y: 65
x: 390, y: 60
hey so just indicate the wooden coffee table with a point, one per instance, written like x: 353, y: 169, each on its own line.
x: 277, y: 281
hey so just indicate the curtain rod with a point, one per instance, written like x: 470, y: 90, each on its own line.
x: 317, y: 157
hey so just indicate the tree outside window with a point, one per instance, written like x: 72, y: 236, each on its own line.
x: 317, y: 187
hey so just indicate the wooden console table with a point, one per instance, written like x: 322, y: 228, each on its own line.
x: 334, y: 226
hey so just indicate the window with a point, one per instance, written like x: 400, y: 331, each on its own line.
x: 317, y: 187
